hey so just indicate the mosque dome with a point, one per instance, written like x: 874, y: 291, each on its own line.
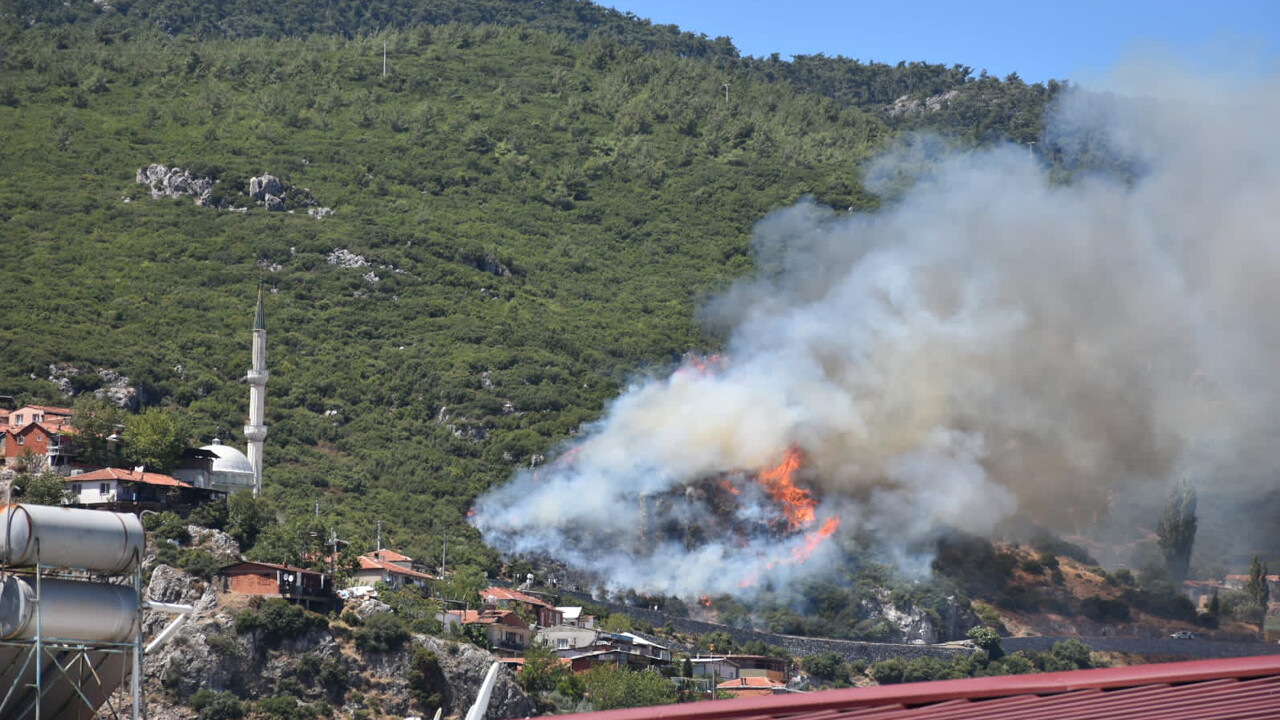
x: 229, y: 458
x: 231, y: 470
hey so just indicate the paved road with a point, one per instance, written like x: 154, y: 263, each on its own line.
x: 1198, y: 648
x: 874, y: 652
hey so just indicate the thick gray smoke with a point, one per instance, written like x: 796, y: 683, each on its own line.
x: 991, y: 343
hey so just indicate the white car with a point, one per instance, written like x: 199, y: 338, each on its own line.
x: 1183, y: 635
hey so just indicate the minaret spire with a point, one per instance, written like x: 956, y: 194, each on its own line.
x: 255, y: 431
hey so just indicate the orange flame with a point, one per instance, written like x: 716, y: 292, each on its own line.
x: 814, y: 539
x: 728, y: 487
x: 705, y: 601
x: 797, y: 503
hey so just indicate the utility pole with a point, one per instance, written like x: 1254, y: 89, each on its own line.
x: 726, y: 91
x: 379, y: 534
x: 444, y: 551
x: 384, y: 58
x: 333, y: 555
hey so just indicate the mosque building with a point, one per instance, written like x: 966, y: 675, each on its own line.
x: 231, y: 470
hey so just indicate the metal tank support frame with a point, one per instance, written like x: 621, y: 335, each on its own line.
x: 62, y: 678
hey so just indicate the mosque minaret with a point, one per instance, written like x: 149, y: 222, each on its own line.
x: 255, y: 431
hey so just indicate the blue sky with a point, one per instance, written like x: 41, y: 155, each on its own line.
x: 1072, y: 39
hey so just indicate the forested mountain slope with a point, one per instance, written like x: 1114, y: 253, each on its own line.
x: 541, y: 194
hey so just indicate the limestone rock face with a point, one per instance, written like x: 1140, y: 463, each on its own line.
x: 261, y: 187
x: 367, y: 607
x: 215, y: 542
x: 273, y: 202
x: 208, y: 652
x: 175, y: 182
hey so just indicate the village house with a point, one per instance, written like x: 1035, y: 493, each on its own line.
x: 39, y: 431
x: 272, y: 580
x: 620, y: 649
x: 748, y: 686
x: 389, y: 567
x: 507, y: 634
x: 135, y: 491
x: 1238, y: 582
x: 572, y: 615
x: 1201, y: 592
x: 732, y: 667
x: 52, y: 417
x: 543, y: 613
x: 567, y: 637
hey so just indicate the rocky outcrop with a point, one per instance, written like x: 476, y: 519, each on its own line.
x: 175, y: 182
x: 208, y: 652
x: 906, y: 104
x: 108, y: 384
x: 343, y: 257
x: 261, y: 187
x: 267, y: 190
x: 214, y: 542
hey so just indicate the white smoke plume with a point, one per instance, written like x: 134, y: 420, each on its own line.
x: 991, y: 342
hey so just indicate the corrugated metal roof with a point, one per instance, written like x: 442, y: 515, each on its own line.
x: 1241, y: 688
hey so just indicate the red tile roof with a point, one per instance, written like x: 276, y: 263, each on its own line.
x: 389, y: 556
x: 368, y: 563
x: 750, y: 682
x: 249, y: 565
x: 489, y: 617
x: 498, y: 593
x: 1246, y: 687
x: 119, y: 475
x: 51, y: 409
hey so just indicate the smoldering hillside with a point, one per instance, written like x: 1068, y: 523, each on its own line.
x: 991, y: 343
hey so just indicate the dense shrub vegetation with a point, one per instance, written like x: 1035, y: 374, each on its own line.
x: 542, y: 194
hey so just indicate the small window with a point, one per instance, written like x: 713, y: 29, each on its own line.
x: 104, y: 488
x: 37, y: 436
x: 75, y: 488
x: 562, y: 643
x: 22, y: 440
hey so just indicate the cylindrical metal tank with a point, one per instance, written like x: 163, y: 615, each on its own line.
x: 69, y: 610
x: 70, y: 538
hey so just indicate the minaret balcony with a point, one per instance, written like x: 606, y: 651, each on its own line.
x: 255, y: 433
x: 257, y: 377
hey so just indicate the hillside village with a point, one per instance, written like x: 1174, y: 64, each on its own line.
x: 540, y: 215
x: 522, y: 627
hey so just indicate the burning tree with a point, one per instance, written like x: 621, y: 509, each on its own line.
x: 1177, y: 531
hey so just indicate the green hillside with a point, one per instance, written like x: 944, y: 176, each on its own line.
x: 543, y: 192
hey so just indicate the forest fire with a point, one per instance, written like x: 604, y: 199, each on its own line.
x: 798, y: 506
x: 796, y: 502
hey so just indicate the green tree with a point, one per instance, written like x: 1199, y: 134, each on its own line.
x: 155, y: 439
x: 618, y: 623
x: 1176, y: 531
x: 247, y: 517
x: 46, y: 488
x: 542, y: 671
x: 988, y: 640
x: 830, y: 667
x: 96, y: 421
x: 465, y: 584
x: 609, y: 687
x: 427, y: 684
x: 1256, y: 587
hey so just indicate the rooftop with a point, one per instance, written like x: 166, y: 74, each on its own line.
x: 120, y: 475
x: 498, y: 593
x: 1247, y: 687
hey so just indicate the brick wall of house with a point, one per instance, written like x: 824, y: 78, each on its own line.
x: 255, y: 584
